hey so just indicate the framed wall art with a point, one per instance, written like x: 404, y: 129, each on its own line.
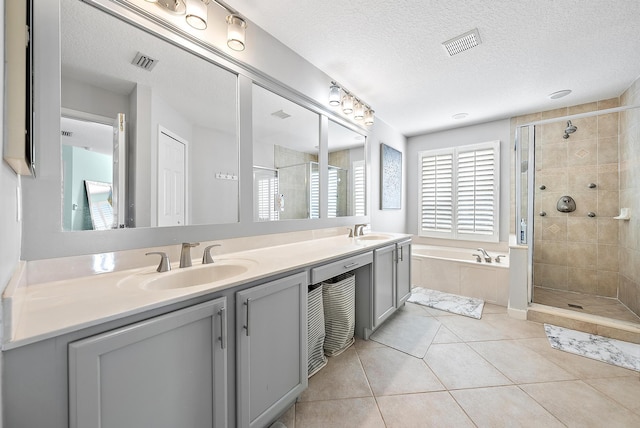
x: 390, y: 178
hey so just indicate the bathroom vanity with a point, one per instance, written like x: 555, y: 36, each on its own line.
x: 231, y: 352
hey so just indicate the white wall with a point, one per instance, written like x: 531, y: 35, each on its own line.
x: 497, y: 130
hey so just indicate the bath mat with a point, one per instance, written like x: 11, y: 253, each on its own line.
x: 467, y: 306
x: 612, y: 351
x: 408, y: 333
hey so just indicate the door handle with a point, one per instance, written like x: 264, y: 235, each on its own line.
x: 247, y: 304
x: 223, y: 327
x: 350, y: 265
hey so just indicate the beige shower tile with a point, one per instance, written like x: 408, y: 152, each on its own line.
x: 582, y: 230
x: 458, y: 366
x: 550, y: 133
x: 568, y: 401
x: 354, y: 412
x: 607, y: 150
x: 392, y: 372
x: 582, y: 280
x: 582, y: 152
x: 553, y: 252
x: 609, y: 103
x: 579, y: 177
x: 608, y: 257
x: 608, y: 125
x: 607, y: 284
x: 554, y: 180
x: 607, y: 230
x: 582, y: 254
x: 586, y: 201
x: 553, y: 228
x: 587, y: 128
x: 503, y: 406
x: 551, y: 276
x: 608, y: 177
x: 552, y: 114
x: 433, y: 409
x: 583, y: 108
x: 608, y: 203
x: 342, y: 377
x: 553, y: 155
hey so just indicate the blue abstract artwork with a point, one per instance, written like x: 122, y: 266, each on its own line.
x: 390, y: 178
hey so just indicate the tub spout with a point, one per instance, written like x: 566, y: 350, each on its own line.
x: 487, y: 257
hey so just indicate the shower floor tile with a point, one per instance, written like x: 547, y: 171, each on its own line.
x: 594, y: 305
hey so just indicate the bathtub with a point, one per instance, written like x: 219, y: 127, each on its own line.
x: 455, y: 270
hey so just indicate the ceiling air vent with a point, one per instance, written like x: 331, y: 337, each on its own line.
x: 143, y: 61
x: 67, y: 133
x: 463, y: 42
x: 281, y: 114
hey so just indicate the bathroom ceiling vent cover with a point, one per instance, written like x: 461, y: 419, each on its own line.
x: 144, y: 61
x: 463, y: 42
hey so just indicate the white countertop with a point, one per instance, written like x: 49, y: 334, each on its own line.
x: 47, y: 309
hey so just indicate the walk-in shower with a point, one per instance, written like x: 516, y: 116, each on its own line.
x: 583, y: 255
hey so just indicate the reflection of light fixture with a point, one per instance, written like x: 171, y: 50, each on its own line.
x: 368, y: 117
x: 236, y: 32
x: 197, y: 13
x: 358, y: 111
x: 347, y: 104
x: 334, y: 94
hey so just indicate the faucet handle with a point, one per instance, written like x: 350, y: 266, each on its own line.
x: 498, y: 257
x: 478, y: 258
x: 164, y: 265
x: 350, y: 232
x: 206, y: 255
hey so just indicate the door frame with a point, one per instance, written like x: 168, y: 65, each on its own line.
x: 169, y: 133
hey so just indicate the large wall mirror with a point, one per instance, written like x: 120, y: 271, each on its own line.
x: 156, y: 123
x: 286, y: 138
x: 347, y: 172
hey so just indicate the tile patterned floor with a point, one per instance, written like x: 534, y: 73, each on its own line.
x: 594, y: 305
x: 493, y: 372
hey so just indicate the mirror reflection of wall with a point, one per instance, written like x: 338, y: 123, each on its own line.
x: 347, y: 180
x: 103, y: 74
x: 286, y: 137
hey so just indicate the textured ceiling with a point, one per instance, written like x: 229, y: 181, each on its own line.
x: 390, y: 53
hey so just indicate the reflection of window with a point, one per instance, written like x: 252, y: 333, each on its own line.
x: 266, y: 189
x: 333, y: 192
x: 460, y: 192
x: 359, y: 185
x: 314, y: 190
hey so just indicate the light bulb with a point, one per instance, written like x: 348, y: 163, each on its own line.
x: 358, y: 111
x: 334, y: 95
x: 236, y: 32
x: 347, y: 104
x: 197, y: 14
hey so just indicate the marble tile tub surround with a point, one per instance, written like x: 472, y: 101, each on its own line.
x: 59, y: 306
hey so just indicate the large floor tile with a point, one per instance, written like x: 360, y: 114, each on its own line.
x: 518, y: 363
x: 433, y: 409
x: 577, y: 404
x: 392, y: 372
x: 408, y: 333
x: 353, y: 413
x: 445, y: 335
x: 503, y: 406
x: 342, y: 377
x: 514, y: 328
x: 490, y: 308
x: 470, y: 330
x: 458, y: 366
x: 624, y: 390
x: 581, y: 367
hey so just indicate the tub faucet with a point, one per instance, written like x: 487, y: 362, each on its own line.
x: 185, y: 253
x: 487, y: 257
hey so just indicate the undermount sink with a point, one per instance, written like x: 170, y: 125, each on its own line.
x: 372, y: 237
x: 189, y: 277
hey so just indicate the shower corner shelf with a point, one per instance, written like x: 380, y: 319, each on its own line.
x: 624, y: 215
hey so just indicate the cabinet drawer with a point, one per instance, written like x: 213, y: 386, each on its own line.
x: 330, y: 270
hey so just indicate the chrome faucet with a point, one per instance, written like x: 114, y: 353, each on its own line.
x: 206, y: 255
x: 357, y: 231
x: 185, y: 253
x: 487, y: 257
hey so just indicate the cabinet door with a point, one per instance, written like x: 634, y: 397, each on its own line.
x: 403, y: 274
x: 384, y: 278
x: 271, y: 333
x: 169, y: 371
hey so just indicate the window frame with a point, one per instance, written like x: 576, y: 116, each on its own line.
x: 454, y: 233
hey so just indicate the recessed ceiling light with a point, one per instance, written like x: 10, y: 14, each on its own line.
x: 459, y: 116
x: 559, y: 94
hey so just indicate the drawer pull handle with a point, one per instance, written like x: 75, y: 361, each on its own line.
x: 351, y: 265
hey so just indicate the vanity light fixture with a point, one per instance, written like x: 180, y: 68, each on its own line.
x: 196, y: 13
x: 358, y: 111
x: 347, y: 104
x: 236, y: 32
x: 334, y: 94
x: 368, y: 117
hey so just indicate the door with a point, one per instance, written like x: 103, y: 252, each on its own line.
x: 165, y: 372
x: 171, y: 180
x: 271, y: 340
x: 384, y: 271
x: 403, y: 272
x: 118, y: 198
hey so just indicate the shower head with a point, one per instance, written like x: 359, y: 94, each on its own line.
x: 570, y: 129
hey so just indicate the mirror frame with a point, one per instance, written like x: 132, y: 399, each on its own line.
x: 42, y: 234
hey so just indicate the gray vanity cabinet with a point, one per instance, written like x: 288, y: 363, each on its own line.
x: 391, y: 279
x: 271, y: 348
x: 169, y: 371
